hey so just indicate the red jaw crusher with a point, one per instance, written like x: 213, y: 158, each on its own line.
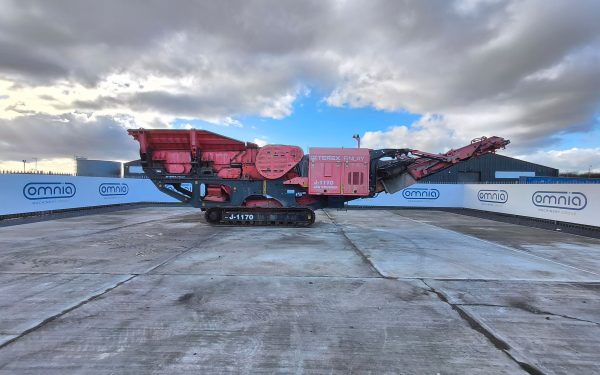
x: 241, y: 183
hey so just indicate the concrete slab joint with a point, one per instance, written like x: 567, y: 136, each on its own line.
x: 157, y: 290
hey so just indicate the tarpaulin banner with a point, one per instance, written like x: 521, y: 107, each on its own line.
x: 418, y: 195
x: 23, y: 193
x: 573, y: 203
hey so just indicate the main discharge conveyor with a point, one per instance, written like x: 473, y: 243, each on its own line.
x: 240, y: 183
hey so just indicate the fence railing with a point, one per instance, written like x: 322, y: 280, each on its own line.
x: 4, y: 171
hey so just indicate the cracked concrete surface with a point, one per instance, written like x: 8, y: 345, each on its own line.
x: 156, y: 290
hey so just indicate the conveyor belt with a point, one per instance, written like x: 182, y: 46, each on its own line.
x: 250, y: 216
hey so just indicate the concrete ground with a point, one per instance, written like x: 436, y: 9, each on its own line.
x: 156, y: 290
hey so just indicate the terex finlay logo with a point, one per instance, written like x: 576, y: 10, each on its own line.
x: 49, y: 190
x: 492, y: 196
x: 566, y: 200
x: 421, y: 193
x: 112, y: 188
x: 336, y: 158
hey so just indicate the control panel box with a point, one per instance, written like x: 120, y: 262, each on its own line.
x: 338, y: 171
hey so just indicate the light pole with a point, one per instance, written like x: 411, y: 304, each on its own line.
x: 35, y: 159
x: 24, y: 162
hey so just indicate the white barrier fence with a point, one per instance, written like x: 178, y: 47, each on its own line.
x: 573, y: 203
x: 418, y: 195
x: 577, y: 203
x: 24, y: 193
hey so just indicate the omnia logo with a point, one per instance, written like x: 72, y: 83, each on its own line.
x: 492, y: 196
x: 109, y: 189
x: 421, y: 193
x: 567, y: 200
x: 48, y: 190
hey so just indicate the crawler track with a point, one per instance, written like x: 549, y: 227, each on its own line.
x: 259, y: 216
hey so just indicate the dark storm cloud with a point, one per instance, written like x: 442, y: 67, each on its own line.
x: 64, y: 28
x: 182, y: 104
x: 64, y: 136
x: 540, y: 37
x: 21, y: 58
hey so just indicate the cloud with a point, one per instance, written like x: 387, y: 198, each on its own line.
x: 61, y: 165
x: 193, y: 60
x: 570, y: 160
x: 260, y: 142
x: 433, y: 134
x: 524, y: 70
x: 430, y: 133
x: 47, y: 137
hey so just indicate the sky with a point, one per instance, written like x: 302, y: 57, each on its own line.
x: 428, y: 75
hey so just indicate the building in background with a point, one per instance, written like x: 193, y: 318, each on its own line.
x: 491, y: 168
x: 98, y: 168
x: 133, y: 169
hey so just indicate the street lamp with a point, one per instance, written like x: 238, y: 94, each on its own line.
x: 24, y: 162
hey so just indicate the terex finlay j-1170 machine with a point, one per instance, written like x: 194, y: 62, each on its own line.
x: 241, y: 183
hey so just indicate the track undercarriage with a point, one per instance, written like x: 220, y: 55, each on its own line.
x: 260, y: 216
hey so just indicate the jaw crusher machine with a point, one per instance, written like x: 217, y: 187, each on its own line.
x: 240, y: 183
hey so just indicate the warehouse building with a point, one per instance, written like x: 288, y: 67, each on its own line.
x: 133, y: 169
x: 98, y: 168
x: 490, y: 168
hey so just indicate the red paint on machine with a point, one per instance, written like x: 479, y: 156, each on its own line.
x: 339, y: 171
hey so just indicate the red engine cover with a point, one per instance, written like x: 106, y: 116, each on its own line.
x: 274, y: 161
x: 339, y: 171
